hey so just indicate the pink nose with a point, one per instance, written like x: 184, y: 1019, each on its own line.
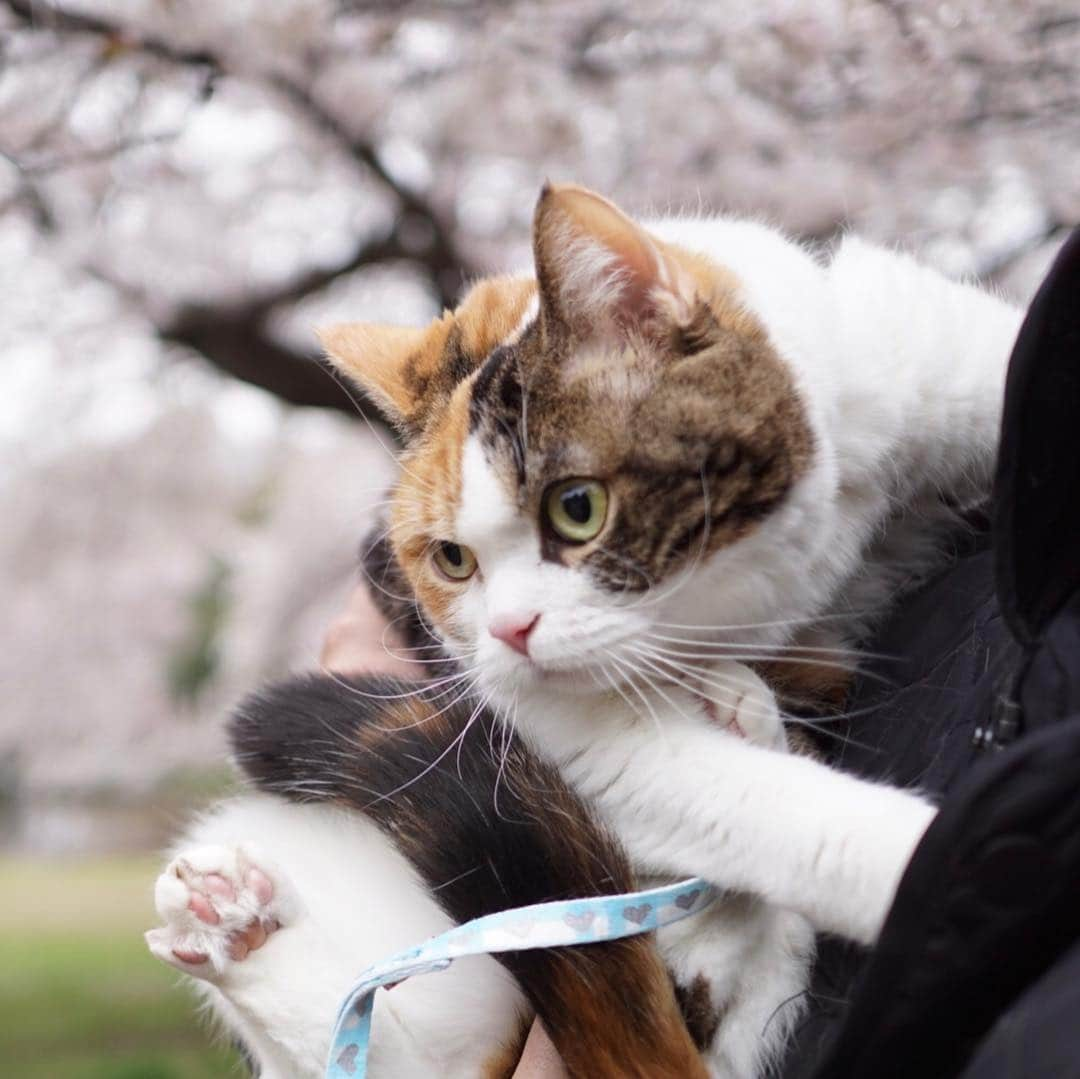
x: 514, y: 630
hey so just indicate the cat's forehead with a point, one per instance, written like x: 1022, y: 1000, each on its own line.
x: 696, y: 447
x: 545, y: 410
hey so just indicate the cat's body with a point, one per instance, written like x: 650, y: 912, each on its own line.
x: 701, y: 445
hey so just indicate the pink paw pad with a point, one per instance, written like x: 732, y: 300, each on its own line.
x: 260, y: 885
x: 218, y: 907
x: 217, y: 885
x: 203, y: 909
x: 191, y: 957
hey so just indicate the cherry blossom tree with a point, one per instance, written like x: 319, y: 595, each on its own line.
x: 187, y: 188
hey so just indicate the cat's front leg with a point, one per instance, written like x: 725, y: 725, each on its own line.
x: 887, y: 838
x: 687, y: 798
x: 739, y: 701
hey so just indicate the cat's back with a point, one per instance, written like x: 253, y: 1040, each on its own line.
x: 888, y: 303
x: 774, y: 272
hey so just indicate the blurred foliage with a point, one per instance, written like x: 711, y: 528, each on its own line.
x: 256, y: 507
x: 188, y: 189
x: 80, y: 995
x: 193, y: 786
x: 9, y: 781
x: 198, y: 657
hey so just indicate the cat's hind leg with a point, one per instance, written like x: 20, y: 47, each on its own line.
x: 275, y: 931
x: 219, y: 904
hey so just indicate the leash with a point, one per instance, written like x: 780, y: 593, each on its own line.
x: 542, y: 925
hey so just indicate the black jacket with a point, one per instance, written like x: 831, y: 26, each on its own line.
x: 977, y: 973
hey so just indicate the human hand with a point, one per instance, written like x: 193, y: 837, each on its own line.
x: 539, y: 1059
x: 360, y: 642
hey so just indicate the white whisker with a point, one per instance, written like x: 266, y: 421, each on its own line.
x: 436, y: 762
x: 629, y: 681
x: 725, y: 691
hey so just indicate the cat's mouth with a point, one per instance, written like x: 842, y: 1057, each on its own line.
x: 576, y: 676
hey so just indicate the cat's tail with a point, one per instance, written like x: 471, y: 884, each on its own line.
x: 488, y: 825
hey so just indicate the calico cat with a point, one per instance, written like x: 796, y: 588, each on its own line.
x: 676, y: 458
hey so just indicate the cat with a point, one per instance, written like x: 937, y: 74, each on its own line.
x: 675, y: 452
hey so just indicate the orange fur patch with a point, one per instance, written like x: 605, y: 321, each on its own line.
x: 411, y: 372
x: 426, y: 503
x: 491, y: 310
x: 601, y: 1030
x: 802, y: 680
x: 429, y: 492
x: 373, y: 355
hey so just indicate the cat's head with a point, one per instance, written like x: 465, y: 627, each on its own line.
x: 597, y: 458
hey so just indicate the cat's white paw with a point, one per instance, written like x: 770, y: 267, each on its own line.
x: 744, y: 705
x: 219, y: 904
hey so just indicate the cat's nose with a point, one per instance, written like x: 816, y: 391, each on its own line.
x: 514, y: 630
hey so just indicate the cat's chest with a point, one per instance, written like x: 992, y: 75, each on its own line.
x: 582, y: 733
x: 612, y: 748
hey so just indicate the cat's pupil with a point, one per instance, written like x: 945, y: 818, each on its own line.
x: 577, y: 505
x: 453, y: 554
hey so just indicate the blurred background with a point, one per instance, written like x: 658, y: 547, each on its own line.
x: 188, y: 187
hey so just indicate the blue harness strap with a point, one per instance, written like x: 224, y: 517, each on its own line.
x: 543, y: 925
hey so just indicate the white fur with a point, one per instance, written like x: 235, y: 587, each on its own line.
x: 901, y: 374
x: 684, y: 799
x: 346, y: 899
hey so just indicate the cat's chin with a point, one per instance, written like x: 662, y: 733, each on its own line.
x: 513, y: 682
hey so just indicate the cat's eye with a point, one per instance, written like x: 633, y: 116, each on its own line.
x: 576, y: 509
x: 454, y: 561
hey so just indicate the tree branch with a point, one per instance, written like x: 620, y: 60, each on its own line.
x: 241, y: 346
x: 439, y: 256
x: 237, y: 340
x: 98, y: 153
x: 39, y: 15
x: 234, y: 336
x: 26, y: 191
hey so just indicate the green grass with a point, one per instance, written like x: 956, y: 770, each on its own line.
x: 80, y: 996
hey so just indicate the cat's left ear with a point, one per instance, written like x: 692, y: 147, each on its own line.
x: 376, y: 357
x: 600, y: 273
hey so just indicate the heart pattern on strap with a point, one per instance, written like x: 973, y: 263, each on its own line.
x: 540, y: 925
x: 347, y: 1058
x: 579, y: 921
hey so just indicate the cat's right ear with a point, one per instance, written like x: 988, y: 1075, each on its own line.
x: 376, y: 358
x: 600, y: 273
